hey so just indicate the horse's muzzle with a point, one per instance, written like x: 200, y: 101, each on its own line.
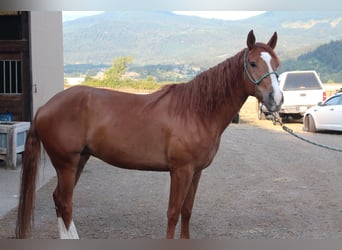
x: 274, y: 104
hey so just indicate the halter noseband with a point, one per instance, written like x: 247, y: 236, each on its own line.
x: 256, y: 82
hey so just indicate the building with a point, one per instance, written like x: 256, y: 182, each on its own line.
x: 31, y: 61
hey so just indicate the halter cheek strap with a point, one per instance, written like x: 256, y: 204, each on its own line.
x: 256, y: 82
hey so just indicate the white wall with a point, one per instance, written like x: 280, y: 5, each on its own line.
x: 47, y: 55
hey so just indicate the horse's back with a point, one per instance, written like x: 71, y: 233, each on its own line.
x: 78, y: 101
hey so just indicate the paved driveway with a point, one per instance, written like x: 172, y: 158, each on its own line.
x: 262, y: 184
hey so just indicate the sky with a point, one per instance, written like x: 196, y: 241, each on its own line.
x: 224, y: 15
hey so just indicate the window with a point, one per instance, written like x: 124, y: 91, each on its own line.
x: 11, y: 23
x: 10, y: 75
x: 336, y: 100
x: 301, y: 81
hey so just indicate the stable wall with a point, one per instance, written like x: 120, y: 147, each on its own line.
x: 47, y: 66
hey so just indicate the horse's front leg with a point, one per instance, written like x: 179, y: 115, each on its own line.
x: 181, y: 179
x: 187, y: 206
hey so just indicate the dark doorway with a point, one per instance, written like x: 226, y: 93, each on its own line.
x: 15, y: 76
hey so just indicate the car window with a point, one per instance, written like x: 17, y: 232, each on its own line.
x: 301, y: 81
x: 336, y: 100
x: 340, y: 98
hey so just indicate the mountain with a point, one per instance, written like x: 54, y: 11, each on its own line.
x: 160, y: 37
x: 326, y: 59
x: 150, y: 37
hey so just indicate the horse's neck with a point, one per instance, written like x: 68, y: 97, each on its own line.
x: 235, y: 98
x: 229, y: 108
x: 215, y: 95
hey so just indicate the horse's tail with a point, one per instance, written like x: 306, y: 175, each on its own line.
x: 29, y: 174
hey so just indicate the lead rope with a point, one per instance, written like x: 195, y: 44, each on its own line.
x: 291, y: 132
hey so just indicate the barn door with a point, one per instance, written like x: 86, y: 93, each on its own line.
x: 11, y: 91
x: 15, y: 83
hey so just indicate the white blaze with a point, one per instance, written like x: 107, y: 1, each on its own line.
x: 277, y: 95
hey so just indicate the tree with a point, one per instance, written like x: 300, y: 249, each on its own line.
x: 118, y: 68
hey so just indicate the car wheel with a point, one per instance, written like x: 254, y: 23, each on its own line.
x: 236, y: 118
x: 310, y: 124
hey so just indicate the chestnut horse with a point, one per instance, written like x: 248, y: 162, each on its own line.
x: 175, y: 129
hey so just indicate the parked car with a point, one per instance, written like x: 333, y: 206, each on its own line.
x: 301, y: 90
x: 325, y: 116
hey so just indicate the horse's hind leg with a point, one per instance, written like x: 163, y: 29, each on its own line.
x: 68, y: 172
x: 83, y: 160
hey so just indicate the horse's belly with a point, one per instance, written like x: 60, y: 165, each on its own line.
x: 136, y: 163
x: 139, y: 156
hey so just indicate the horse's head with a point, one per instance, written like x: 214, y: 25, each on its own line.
x: 260, y: 64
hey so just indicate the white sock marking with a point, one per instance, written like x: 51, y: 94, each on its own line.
x: 64, y: 233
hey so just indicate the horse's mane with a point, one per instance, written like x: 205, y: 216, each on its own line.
x: 206, y: 91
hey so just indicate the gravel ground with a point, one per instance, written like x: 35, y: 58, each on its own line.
x: 263, y: 184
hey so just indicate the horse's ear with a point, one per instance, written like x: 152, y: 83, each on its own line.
x: 250, y: 40
x: 273, y: 41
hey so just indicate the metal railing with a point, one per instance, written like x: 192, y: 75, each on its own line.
x: 10, y: 76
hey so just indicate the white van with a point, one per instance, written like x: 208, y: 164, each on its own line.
x: 302, y: 90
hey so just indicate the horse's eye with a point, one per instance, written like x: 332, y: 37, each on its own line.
x: 253, y: 64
